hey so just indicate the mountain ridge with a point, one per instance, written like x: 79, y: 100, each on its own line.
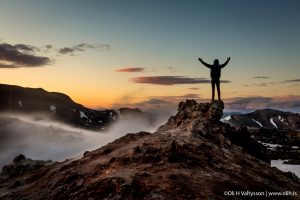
x: 57, y: 106
x: 265, y: 118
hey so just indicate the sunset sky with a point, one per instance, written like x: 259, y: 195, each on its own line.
x: 107, y: 54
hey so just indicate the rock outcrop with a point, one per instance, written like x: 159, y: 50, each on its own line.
x: 203, y: 120
x: 192, y: 156
x: 57, y: 106
x: 196, y: 119
x: 22, y: 165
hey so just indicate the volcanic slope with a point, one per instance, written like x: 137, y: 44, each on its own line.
x: 192, y: 156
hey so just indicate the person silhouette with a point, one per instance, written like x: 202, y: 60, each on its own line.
x: 215, y: 74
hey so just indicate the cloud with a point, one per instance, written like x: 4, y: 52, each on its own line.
x: 171, y: 69
x: 83, y: 47
x: 24, y: 47
x: 167, y: 105
x: 170, y: 80
x: 170, y: 103
x: 189, y: 96
x: 66, y: 50
x: 160, y: 104
x: 194, y: 88
x: 258, y: 102
x: 45, y: 139
x: 262, y: 84
x: 261, y: 77
x: 131, y: 69
x: 8, y: 66
x: 154, y: 101
x: 156, y: 105
x: 292, y: 81
x: 21, y: 55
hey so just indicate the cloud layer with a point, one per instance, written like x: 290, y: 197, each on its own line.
x: 170, y: 80
x: 131, y: 69
x: 194, y: 88
x: 259, y: 102
x: 160, y: 104
x: 44, y: 139
x: 21, y: 55
x: 261, y: 77
x: 83, y: 47
x: 169, y: 104
x: 24, y: 55
x: 291, y: 81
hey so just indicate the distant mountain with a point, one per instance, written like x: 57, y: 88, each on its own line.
x: 192, y: 156
x: 277, y: 130
x: 136, y: 113
x: 58, y: 106
x: 267, y: 119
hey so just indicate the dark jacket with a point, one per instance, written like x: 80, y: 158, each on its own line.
x: 215, y: 70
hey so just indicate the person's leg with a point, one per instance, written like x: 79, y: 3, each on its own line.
x: 218, y: 88
x: 213, y: 89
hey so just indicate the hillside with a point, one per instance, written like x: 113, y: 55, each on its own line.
x: 192, y: 156
x: 279, y: 131
x: 53, y: 105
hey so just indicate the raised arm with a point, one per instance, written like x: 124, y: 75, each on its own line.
x: 225, y: 63
x: 204, y: 63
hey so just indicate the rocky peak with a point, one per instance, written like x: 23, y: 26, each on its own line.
x: 196, y: 118
x: 202, y: 120
x: 213, y: 110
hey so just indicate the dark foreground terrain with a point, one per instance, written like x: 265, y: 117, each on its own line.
x: 192, y: 156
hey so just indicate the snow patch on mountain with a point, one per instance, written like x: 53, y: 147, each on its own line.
x: 273, y: 146
x: 257, y: 122
x: 286, y: 167
x: 52, y: 108
x: 226, y: 118
x: 280, y: 118
x: 270, y: 146
x: 82, y: 115
x: 273, y: 123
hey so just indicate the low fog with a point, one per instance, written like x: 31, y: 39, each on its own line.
x: 40, y: 138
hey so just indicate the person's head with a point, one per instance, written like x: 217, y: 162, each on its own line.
x: 216, y: 62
